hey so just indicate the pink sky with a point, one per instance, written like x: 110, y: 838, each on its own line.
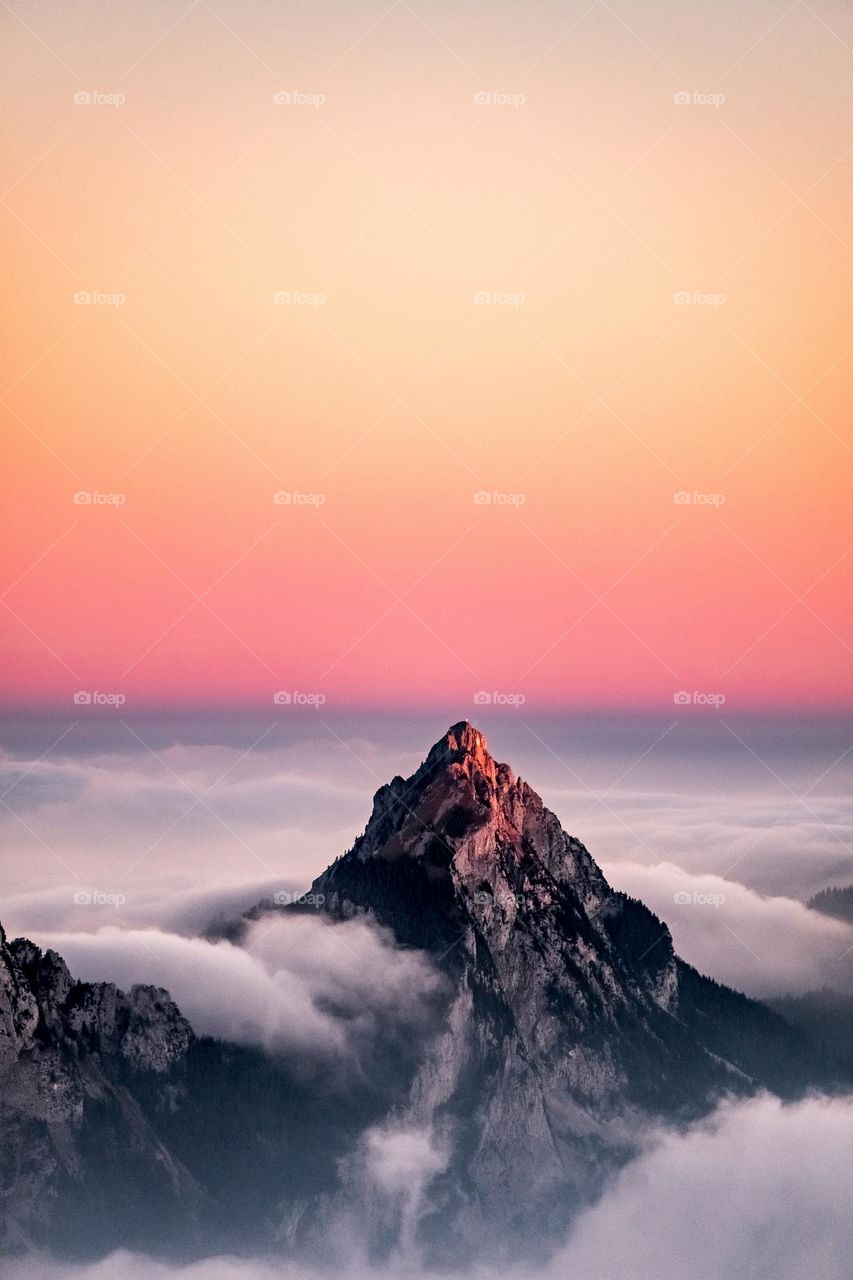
x: 581, y: 396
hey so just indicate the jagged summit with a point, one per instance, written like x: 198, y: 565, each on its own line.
x: 462, y: 742
x: 461, y: 754
x: 459, y: 839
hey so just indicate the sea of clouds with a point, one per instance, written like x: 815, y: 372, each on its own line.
x: 135, y: 826
x: 126, y: 845
x: 760, y: 1191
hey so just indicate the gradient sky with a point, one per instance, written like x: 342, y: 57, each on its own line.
x: 398, y: 198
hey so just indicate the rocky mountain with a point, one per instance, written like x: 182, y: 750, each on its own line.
x: 566, y: 1026
x: 572, y: 1021
x: 68, y: 1054
x: 120, y: 1128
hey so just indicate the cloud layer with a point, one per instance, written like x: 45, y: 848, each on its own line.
x: 762, y: 1191
x: 299, y: 984
x: 766, y: 946
x: 192, y: 823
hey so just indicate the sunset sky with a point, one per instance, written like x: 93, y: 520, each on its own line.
x: 425, y: 153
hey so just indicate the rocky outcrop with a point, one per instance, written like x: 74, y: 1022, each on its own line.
x: 72, y: 1057
x: 142, y: 1027
x: 19, y: 1012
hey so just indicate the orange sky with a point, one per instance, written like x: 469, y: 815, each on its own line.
x: 581, y: 197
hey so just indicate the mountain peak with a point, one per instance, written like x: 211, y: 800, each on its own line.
x: 461, y: 832
x: 462, y: 744
x: 464, y: 737
x: 458, y: 791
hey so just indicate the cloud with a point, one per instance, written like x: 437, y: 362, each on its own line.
x: 761, y: 1191
x: 768, y: 841
x: 300, y: 984
x: 167, y: 903
x: 129, y: 818
x: 129, y: 1266
x: 762, y: 945
x: 401, y: 1161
